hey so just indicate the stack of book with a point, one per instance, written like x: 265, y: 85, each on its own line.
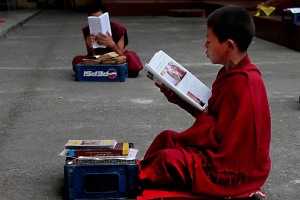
x: 99, y: 150
x: 108, y: 58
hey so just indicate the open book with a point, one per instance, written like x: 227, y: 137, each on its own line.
x: 165, y: 70
x: 99, y: 24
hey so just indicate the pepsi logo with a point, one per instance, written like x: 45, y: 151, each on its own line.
x: 112, y: 73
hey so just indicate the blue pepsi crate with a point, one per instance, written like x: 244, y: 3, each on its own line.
x: 101, y: 72
x: 110, y: 179
x: 291, y: 18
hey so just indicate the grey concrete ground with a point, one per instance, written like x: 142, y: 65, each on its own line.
x: 42, y: 106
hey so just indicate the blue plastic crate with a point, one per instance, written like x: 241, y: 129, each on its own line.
x: 291, y: 18
x: 101, y: 180
x: 101, y: 72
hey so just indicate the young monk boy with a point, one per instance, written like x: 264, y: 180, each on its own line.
x: 116, y: 42
x: 225, y: 153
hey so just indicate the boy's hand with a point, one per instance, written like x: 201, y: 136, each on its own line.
x: 90, y: 40
x: 105, y: 39
x: 174, y: 98
x: 170, y: 95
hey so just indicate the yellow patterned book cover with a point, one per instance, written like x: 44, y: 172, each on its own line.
x: 84, y: 144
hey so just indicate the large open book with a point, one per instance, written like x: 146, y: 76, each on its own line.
x: 99, y: 24
x: 165, y: 70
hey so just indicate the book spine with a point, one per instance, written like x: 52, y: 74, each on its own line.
x: 90, y: 144
x: 123, y: 150
x: 94, y: 152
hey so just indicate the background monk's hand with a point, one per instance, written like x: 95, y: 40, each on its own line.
x: 105, y: 40
x: 90, y: 40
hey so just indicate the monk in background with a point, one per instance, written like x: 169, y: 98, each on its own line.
x: 116, y: 42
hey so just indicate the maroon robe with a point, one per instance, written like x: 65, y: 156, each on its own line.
x: 118, y: 31
x: 225, y: 153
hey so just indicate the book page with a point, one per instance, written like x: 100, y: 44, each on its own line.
x: 98, y: 25
x: 169, y: 72
x: 105, y: 23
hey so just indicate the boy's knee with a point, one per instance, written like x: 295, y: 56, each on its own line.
x: 173, y: 157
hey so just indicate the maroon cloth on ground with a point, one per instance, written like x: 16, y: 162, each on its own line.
x: 134, y: 63
x: 150, y: 194
x: 225, y: 153
x: 178, y: 195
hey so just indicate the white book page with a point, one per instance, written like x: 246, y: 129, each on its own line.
x: 105, y: 23
x: 294, y: 10
x: 169, y: 72
x: 98, y: 25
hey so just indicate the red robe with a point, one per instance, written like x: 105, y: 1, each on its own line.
x: 225, y: 153
x: 134, y: 63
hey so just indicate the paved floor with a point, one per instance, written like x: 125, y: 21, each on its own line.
x: 13, y: 19
x: 42, y: 106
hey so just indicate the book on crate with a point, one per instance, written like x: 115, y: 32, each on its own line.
x: 121, y: 149
x: 90, y: 144
x: 98, y: 150
x: 165, y: 70
x: 131, y: 156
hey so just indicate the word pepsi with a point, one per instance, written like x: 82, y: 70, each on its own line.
x: 111, y: 73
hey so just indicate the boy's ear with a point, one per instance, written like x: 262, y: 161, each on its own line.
x: 231, y: 43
